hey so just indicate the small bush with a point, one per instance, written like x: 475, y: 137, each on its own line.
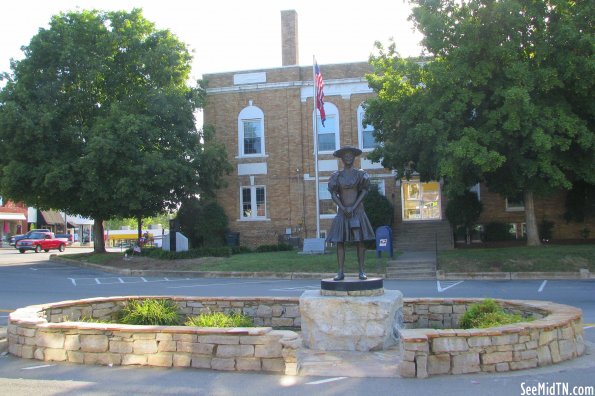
x: 220, y: 319
x: 546, y: 230
x: 150, y: 312
x: 498, y: 232
x: 160, y: 254
x: 487, y: 314
x: 280, y: 247
x: 240, y: 250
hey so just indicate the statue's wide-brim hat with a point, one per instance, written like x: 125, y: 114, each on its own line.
x: 345, y: 149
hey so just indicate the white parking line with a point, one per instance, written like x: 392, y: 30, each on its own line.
x: 542, y: 286
x: 301, y: 288
x: 452, y: 284
x: 119, y: 280
x: 219, y: 284
x: 38, y: 367
x: 325, y: 381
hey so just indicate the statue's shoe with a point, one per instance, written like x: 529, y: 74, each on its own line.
x: 340, y: 276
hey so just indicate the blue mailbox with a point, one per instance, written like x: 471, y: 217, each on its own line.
x: 384, y: 240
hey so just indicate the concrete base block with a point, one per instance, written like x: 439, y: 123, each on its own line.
x: 332, y: 323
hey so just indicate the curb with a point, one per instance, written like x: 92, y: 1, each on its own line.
x: 584, y: 274
x: 3, y: 340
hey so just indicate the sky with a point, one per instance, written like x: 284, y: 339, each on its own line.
x: 228, y: 35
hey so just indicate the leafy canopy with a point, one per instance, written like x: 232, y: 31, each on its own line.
x: 505, y: 97
x: 98, y: 120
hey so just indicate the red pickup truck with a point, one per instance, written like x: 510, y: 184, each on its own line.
x: 39, y: 241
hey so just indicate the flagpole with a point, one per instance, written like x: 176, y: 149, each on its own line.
x: 316, y: 147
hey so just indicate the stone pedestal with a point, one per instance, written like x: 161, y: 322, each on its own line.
x: 346, y: 323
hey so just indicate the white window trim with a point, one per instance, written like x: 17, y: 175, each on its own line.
x: 250, y: 112
x: 253, y: 203
x: 331, y: 111
x: 360, y: 129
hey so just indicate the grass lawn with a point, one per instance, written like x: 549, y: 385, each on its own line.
x: 294, y: 262
x: 509, y: 259
x: 546, y: 258
x: 289, y: 261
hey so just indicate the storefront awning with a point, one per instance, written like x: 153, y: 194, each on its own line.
x: 51, y: 217
x: 79, y: 220
x: 12, y: 216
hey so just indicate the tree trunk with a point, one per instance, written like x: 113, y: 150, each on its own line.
x: 139, y: 228
x: 98, y: 238
x: 530, y: 220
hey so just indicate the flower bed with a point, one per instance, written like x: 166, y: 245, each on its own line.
x: 52, y: 333
x: 555, y: 335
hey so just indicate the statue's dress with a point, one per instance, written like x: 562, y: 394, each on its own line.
x: 348, y: 185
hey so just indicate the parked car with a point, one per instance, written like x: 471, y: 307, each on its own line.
x: 13, y: 239
x: 38, y: 241
x: 69, y: 238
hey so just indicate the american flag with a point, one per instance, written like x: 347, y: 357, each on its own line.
x: 319, y: 92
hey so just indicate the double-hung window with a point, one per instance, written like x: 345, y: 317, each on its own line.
x: 252, y: 137
x: 328, y: 134
x: 253, y: 202
x: 367, y: 141
x: 251, y: 132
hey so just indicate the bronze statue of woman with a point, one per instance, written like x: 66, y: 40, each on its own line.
x: 348, y: 188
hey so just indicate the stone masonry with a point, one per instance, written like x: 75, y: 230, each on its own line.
x: 51, y: 333
x: 555, y: 334
x: 430, y: 344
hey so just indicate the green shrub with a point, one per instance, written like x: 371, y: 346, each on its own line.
x: 203, y: 222
x: 464, y: 210
x: 379, y: 209
x: 150, y: 312
x: 546, y: 230
x: 220, y: 319
x: 487, y: 314
x: 498, y: 232
x: 280, y: 247
x: 222, y: 251
x: 240, y: 250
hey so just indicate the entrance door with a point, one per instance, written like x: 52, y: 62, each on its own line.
x: 421, y: 201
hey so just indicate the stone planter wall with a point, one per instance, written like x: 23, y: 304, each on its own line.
x: 50, y: 333
x: 555, y: 335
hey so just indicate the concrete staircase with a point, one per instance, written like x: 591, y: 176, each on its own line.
x: 420, y: 265
x: 423, y: 236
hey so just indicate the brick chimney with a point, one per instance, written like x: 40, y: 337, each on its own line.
x: 289, y: 37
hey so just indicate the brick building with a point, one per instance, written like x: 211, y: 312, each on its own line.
x: 266, y: 119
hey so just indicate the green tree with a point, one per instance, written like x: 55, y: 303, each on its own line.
x: 378, y: 208
x: 203, y: 222
x: 98, y: 120
x: 506, y: 98
x: 464, y: 210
